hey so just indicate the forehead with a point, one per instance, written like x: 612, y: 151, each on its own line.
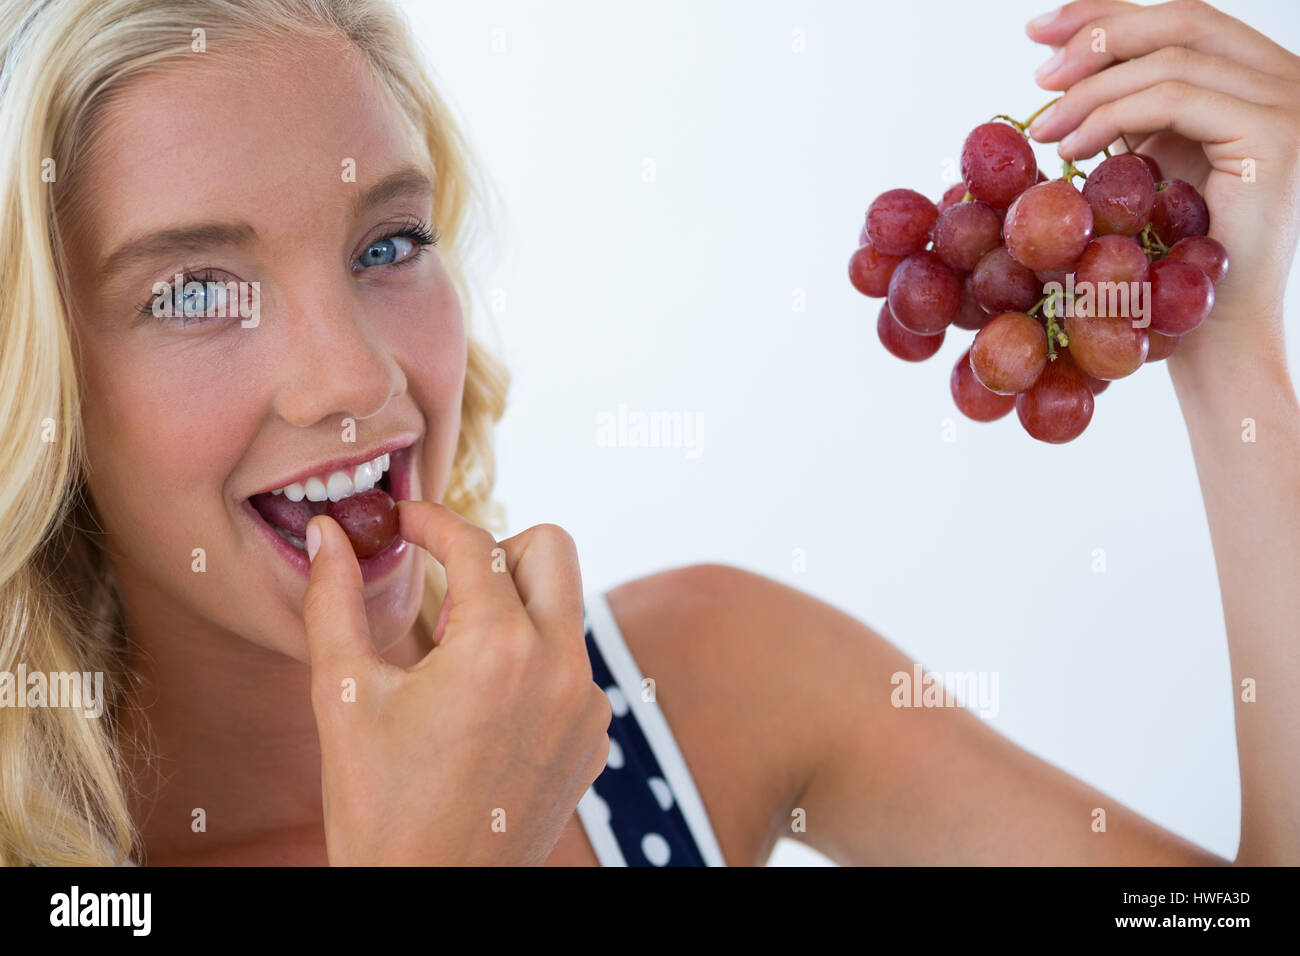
x: 253, y: 130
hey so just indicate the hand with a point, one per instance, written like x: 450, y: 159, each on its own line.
x: 1200, y: 92
x: 501, y: 716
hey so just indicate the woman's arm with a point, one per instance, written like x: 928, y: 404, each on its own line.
x: 1252, y: 497
x: 1218, y: 105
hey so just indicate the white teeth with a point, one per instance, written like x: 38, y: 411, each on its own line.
x: 339, y: 484
x: 316, y: 490
x: 365, y: 478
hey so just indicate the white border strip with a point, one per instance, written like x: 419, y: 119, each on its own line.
x: 618, y: 657
x: 594, y: 813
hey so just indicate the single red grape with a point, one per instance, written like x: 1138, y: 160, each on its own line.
x: 1105, y: 347
x: 1058, y: 406
x: 369, y: 518
x: 1108, y: 279
x: 1001, y: 284
x: 901, y: 343
x: 924, y: 294
x: 1181, y: 296
x: 973, y: 399
x: 1009, y: 353
x: 899, y: 221
x: 870, y: 269
x: 1205, y: 253
x: 997, y: 164
x: 965, y: 232
x: 1179, y: 212
x: 1048, y: 226
x: 1122, y: 194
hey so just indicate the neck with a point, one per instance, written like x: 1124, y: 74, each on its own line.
x: 211, y: 720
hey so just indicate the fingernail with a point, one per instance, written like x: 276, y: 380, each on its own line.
x: 313, y: 540
x: 1067, y: 144
x: 1050, y: 65
x: 1039, y: 22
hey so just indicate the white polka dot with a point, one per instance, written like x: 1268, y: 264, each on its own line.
x: 655, y: 848
x: 615, y: 761
x: 663, y: 793
x: 617, y: 702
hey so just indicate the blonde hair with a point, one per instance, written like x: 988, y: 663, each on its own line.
x: 62, y: 791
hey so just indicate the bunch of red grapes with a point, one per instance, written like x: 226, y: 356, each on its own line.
x: 1065, y: 289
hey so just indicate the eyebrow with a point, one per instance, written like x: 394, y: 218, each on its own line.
x: 407, y: 181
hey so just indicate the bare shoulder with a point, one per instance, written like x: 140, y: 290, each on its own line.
x: 741, y: 665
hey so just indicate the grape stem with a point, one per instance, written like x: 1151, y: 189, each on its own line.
x: 1151, y: 244
x: 1027, y: 123
x: 1069, y: 171
x: 1055, y: 334
x: 1124, y: 139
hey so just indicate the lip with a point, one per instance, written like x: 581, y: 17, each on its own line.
x: 372, y: 568
x: 327, y: 468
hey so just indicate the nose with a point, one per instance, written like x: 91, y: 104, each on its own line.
x: 336, y: 363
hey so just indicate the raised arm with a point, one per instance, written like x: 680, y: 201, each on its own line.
x: 1221, y: 105
x: 1217, y: 105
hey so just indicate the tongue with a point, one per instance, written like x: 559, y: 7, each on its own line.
x: 292, y: 516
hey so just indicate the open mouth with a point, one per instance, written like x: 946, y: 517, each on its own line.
x: 289, y: 518
x: 283, y: 514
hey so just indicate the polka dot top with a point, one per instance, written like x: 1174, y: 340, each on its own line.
x: 643, y: 810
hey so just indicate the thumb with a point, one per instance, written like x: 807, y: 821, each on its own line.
x: 333, y: 606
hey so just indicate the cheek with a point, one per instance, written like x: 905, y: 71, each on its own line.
x: 160, y: 428
x: 433, y: 359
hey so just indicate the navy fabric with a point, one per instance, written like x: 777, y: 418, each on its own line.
x: 638, y: 818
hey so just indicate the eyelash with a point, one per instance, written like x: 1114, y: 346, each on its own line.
x: 416, y: 230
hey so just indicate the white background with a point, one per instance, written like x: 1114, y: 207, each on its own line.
x: 679, y: 294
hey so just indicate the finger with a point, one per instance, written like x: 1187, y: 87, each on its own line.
x: 1133, y: 32
x: 544, y: 563
x: 334, y: 607
x: 1059, y: 25
x: 1168, y: 63
x: 1206, y: 116
x: 469, y: 554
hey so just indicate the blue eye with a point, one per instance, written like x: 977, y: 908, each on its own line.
x: 192, y: 297
x: 403, y: 246
x: 199, y: 299
x: 385, y: 251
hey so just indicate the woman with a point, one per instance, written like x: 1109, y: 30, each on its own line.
x: 278, y: 701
